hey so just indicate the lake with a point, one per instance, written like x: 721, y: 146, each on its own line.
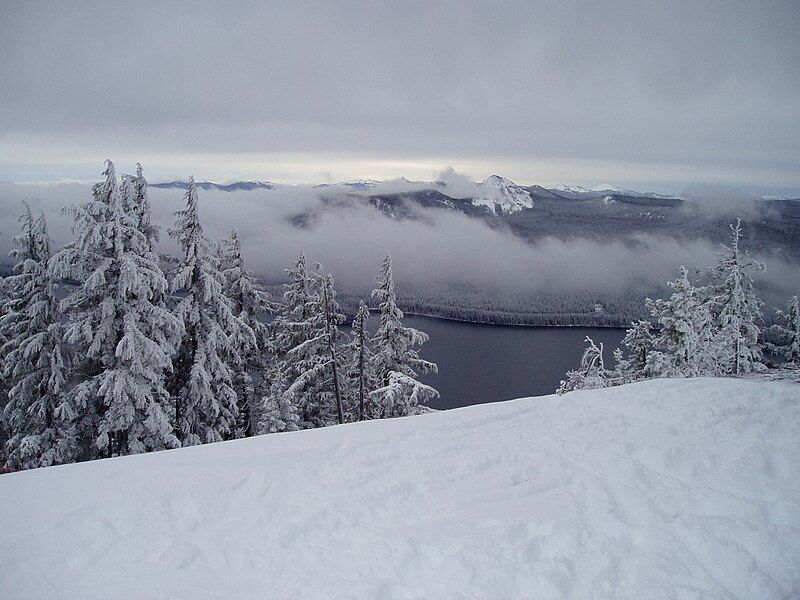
x: 488, y: 363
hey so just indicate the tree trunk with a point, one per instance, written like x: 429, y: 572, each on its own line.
x: 331, y: 326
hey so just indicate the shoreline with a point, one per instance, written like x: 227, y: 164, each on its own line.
x: 491, y: 324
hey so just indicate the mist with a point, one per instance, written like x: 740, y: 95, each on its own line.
x: 437, y: 248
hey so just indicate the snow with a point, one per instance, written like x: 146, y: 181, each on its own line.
x: 499, y: 191
x: 603, y: 189
x: 660, y: 489
x: 578, y: 189
x: 359, y: 183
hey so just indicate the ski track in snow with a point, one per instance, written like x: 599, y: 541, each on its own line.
x: 662, y: 489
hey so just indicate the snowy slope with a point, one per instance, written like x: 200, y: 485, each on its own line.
x: 498, y: 191
x: 663, y: 489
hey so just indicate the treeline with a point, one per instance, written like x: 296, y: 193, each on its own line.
x: 709, y: 327
x: 497, y: 306
x: 148, y: 352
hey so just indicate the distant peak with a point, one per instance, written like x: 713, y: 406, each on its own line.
x: 498, y: 179
x: 504, y: 193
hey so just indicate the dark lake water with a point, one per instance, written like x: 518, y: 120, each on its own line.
x: 488, y: 363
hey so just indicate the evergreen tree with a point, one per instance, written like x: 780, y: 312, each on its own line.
x: 316, y: 361
x: 205, y: 402
x: 118, y: 321
x: 639, y: 341
x: 360, y: 376
x: 394, y: 351
x: 333, y: 336
x: 685, y: 338
x: 735, y: 307
x: 621, y: 373
x: 279, y: 414
x: 291, y: 326
x: 403, y: 395
x: 4, y: 432
x: 252, y: 339
x: 37, y: 415
x: 789, y: 332
x: 140, y: 204
x: 592, y: 373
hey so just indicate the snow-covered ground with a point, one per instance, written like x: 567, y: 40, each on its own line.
x: 662, y: 489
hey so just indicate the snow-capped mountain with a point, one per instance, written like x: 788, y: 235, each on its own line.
x: 234, y: 186
x: 353, y: 184
x: 578, y: 189
x: 496, y: 191
x: 599, y: 191
x: 360, y: 184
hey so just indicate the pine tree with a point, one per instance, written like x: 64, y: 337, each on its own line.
x: 684, y: 339
x: 639, y: 341
x: 4, y: 432
x: 140, y: 203
x: 394, y: 352
x: 118, y: 321
x: 789, y: 332
x: 205, y: 402
x: 360, y: 376
x: 333, y: 336
x: 291, y: 325
x: 279, y: 415
x: 252, y: 339
x: 734, y: 306
x: 621, y: 373
x: 290, y: 328
x: 316, y: 361
x: 403, y: 395
x: 37, y: 416
x: 279, y: 412
x: 592, y: 373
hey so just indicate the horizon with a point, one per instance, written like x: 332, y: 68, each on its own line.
x: 651, y: 98
x: 699, y: 188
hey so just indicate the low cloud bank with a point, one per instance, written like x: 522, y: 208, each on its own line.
x: 441, y: 248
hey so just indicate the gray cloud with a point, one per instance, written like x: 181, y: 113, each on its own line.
x: 646, y: 93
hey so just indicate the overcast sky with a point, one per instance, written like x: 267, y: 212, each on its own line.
x: 646, y: 95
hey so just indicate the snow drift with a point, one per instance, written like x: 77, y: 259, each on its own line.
x: 661, y: 489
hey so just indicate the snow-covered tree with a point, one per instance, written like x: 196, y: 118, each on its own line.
x: 140, y: 204
x: 590, y: 375
x: 37, y: 416
x: 317, y: 361
x: 360, y: 375
x: 632, y: 366
x: 394, y: 351
x: 4, y: 432
x: 205, y: 402
x: 334, y: 338
x: 684, y: 341
x: 291, y: 327
x: 789, y: 332
x: 735, y: 307
x: 248, y: 300
x: 403, y: 395
x: 279, y: 414
x: 118, y: 322
x: 278, y: 410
